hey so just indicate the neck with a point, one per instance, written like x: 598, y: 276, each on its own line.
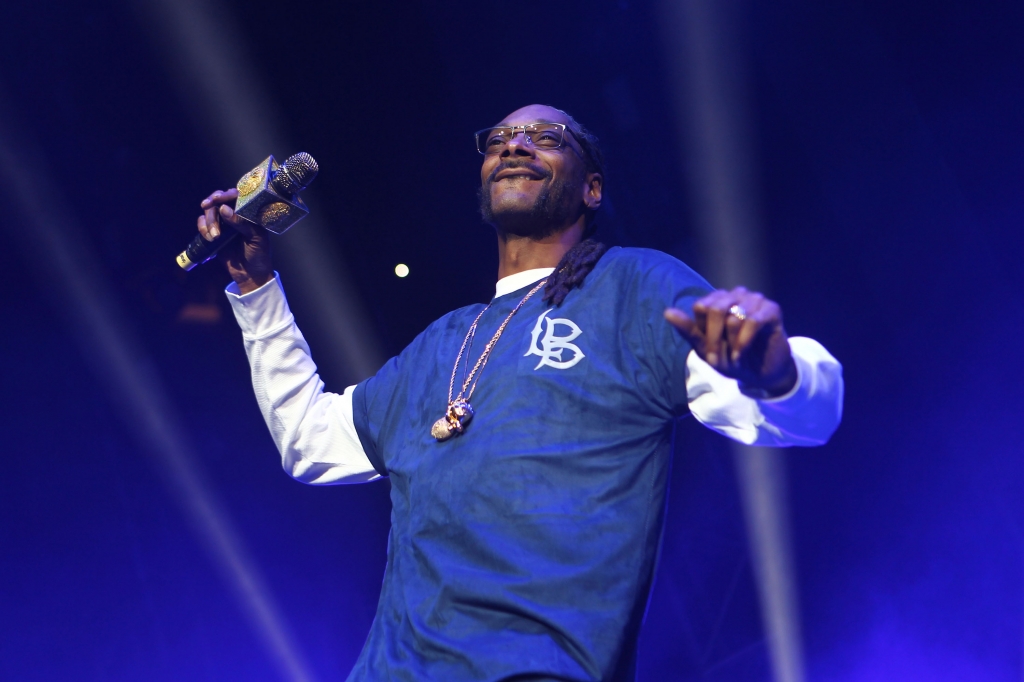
x: 517, y: 254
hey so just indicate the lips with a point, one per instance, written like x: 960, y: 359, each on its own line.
x: 518, y: 168
x: 517, y: 173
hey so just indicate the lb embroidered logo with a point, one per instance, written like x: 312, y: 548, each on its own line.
x: 551, y: 346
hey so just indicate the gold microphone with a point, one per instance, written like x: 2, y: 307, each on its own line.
x: 268, y: 195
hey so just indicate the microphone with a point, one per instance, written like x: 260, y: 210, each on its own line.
x: 268, y: 195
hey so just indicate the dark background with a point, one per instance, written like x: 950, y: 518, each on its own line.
x: 890, y: 147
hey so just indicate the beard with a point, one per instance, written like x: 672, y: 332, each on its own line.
x: 553, y: 210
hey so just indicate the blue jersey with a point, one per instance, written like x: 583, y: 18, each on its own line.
x: 525, y: 547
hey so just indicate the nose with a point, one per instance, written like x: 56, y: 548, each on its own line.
x: 518, y: 145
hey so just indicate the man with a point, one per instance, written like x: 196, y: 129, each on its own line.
x: 529, y: 466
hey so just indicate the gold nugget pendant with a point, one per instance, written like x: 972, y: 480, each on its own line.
x: 454, y: 422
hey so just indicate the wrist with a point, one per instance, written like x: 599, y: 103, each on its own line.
x: 774, y: 387
x: 251, y: 283
x: 786, y: 381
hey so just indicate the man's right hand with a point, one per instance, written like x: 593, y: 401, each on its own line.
x: 248, y: 259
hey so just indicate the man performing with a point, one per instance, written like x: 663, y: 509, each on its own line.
x: 528, y: 440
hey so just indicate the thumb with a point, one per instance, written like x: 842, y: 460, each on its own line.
x: 228, y: 215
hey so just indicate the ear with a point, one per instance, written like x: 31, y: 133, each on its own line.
x: 592, y: 191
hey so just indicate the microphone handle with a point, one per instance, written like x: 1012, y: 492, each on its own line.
x: 200, y: 250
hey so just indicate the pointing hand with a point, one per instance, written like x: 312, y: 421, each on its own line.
x: 740, y: 334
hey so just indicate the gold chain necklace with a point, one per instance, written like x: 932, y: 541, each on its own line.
x: 459, y: 411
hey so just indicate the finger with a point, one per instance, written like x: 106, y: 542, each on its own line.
x: 211, y: 200
x: 212, y: 222
x: 687, y: 326
x: 730, y: 336
x: 228, y: 215
x: 734, y: 324
x: 201, y: 224
x: 770, y: 313
x: 715, y: 307
x: 700, y: 316
x: 748, y: 330
x: 220, y: 197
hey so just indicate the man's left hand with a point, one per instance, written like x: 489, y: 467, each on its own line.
x: 740, y: 334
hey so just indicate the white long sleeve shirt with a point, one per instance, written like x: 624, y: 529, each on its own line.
x: 315, y: 433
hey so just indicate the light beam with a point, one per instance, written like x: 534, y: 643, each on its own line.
x: 66, y: 262
x: 707, y: 80
x: 206, y: 59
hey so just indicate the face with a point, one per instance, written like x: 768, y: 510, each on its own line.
x: 533, y: 192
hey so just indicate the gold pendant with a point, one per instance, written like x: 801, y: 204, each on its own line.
x: 454, y: 422
x: 440, y: 430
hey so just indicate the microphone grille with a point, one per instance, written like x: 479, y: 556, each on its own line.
x: 295, y: 174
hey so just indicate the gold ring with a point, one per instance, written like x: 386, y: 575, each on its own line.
x: 738, y: 312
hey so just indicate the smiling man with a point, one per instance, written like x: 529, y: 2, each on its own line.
x: 528, y: 440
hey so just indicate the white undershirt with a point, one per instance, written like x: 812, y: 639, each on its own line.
x: 520, y: 280
x: 315, y: 433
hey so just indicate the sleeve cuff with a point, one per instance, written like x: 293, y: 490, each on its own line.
x: 802, y: 369
x: 807, y: 415
x: 262, y: 311
x: 818, y: 373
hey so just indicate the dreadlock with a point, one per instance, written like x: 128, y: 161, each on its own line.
x: 578, y: 261
x: 575, y: 265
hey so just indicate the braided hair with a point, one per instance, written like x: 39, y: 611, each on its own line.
x: 575, y: 265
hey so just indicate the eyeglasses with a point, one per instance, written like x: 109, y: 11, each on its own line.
x: 540, y: 135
